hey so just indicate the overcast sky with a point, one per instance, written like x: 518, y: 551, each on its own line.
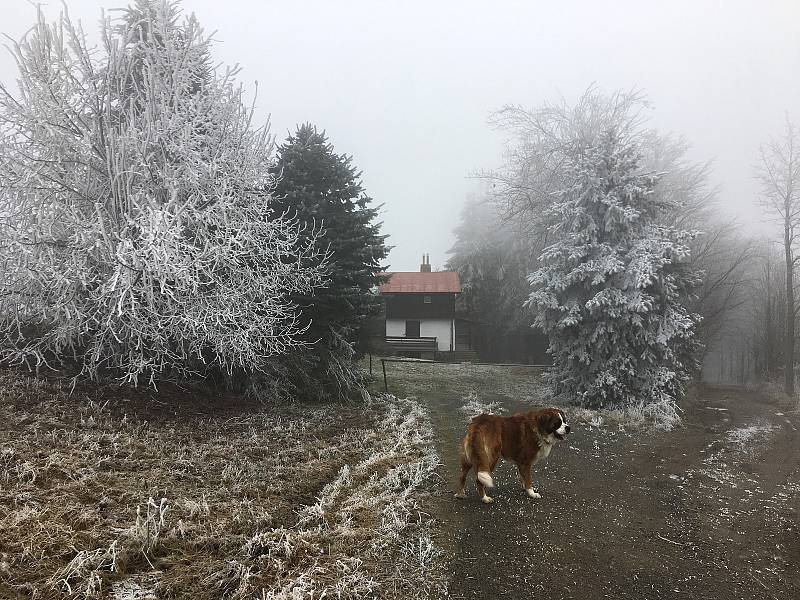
x: 406, y: 87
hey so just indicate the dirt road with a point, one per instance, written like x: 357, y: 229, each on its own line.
x: 707, y: 511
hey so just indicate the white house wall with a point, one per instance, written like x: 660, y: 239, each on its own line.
x: 441, y: 329
x: 396, y: 327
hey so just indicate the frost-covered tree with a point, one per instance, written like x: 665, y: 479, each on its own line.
x: 531, y: 175
x: 778, y: 172
x: 611, y: 287
x: 322, y: 188
x: 138, y: 229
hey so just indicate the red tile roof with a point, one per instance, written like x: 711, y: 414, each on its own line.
x: 415, y: 282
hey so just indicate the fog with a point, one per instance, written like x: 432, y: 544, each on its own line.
x: 608, y: 196
x: 406, y: 88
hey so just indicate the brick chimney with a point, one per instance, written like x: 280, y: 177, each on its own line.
x: 425, y: 267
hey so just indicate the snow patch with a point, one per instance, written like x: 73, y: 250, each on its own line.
x: 746, y: 435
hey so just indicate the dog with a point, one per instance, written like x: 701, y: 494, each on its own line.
x: 523, y: 439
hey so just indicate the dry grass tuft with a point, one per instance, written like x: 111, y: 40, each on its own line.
x: 659, y: 416
x: 473, y: 406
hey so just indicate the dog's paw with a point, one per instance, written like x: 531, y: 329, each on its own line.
x: 487, y: 500
x: 533, y: 494
x: 459, y: 495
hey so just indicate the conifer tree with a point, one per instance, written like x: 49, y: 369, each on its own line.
x: 611, y: 292
x: 322, y: 189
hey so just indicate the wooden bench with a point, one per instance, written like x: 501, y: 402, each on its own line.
x: 405, y: 344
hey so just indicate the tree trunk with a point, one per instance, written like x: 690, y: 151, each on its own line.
x: 787, y: 243
x: 769, y: 368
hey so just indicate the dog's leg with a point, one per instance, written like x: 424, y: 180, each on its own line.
x: 466, y: 467
x: 484, y: 468
x: 483, y: 479
x: 484, y: 476
x: 525, y: 475
x: 485, y: 498
x: 481, y: 457
x: 462, y: 481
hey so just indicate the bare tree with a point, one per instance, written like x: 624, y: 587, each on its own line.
x: 778, y: 171
x: 767, y: 311
x: 726, y: 259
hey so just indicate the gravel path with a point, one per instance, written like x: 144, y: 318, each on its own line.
x: 707, y: 511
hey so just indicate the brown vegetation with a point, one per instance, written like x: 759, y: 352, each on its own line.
x: 109, y: 492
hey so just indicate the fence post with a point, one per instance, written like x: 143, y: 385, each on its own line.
x: 385, y: 384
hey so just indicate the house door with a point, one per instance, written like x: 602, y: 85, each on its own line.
x: 412, y: 329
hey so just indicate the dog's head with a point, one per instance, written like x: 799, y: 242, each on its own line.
x: 551, y: 421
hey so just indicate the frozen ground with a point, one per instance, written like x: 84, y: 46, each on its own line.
x: 629, y: 511
x: 259, y: 502
x: 107, y: 493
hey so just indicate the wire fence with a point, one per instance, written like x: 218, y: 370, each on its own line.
x: 422, y: 361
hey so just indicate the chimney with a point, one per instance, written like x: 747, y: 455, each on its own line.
x: 425, y: 267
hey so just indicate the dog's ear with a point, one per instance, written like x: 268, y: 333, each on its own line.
x: 548, y: 422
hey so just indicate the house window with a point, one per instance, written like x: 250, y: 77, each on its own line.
x: 426, y: 299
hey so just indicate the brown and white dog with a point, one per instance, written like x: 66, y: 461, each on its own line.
x: 523, y: 439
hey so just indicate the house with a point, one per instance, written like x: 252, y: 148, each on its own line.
x: 421, y: 311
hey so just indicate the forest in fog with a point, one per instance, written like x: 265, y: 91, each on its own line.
x: 742, y: 298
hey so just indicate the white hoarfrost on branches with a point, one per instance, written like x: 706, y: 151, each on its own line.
x: 135, y: 209
x: 612, y: 288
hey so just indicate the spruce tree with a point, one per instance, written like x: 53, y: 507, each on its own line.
x: 611, y: 291
x: 323, y: 190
